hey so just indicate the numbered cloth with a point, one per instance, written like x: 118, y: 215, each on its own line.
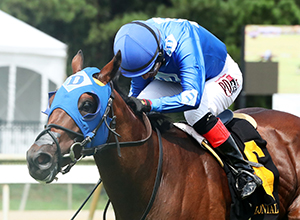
x: 263, y: 204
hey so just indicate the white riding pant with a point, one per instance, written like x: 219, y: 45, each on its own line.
x: 219, y: 92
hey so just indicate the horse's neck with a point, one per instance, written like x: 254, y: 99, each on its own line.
x: 131, y: 127
x: 126, y: 176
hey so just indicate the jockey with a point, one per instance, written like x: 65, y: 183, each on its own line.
x: 176, y: 65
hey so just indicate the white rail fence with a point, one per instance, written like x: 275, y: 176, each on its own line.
x: 15, y: 140
x: 14, y: 174
x: 17, y: 137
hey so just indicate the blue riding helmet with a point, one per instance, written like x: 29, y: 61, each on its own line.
x: 140, y: 45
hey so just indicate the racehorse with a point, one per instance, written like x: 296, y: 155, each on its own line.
x: 190, y: 185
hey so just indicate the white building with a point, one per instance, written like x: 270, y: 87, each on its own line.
x: 32, y: 63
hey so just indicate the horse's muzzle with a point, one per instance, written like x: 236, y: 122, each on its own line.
x: 42, y: 165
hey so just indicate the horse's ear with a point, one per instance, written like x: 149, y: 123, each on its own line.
x: 109, y: 71
x: 77, y: 62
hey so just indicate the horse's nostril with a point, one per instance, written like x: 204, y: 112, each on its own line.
x: 43, y: 160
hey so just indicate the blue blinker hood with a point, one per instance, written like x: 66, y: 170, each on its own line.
x: 67, y: 97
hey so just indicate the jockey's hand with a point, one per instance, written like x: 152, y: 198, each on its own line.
x: 139, y: 105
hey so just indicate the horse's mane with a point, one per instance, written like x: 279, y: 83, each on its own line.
x: 157, y: 120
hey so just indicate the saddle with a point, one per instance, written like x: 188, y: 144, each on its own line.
x: 226, y: 116
x: 264, y: 202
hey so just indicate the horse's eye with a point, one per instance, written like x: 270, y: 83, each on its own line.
x: 87, y: 107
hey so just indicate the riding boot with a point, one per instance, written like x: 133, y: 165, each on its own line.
x: 246, y: 180
x: 215, y: 132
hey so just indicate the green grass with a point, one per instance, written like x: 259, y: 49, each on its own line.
x: 53, y: 196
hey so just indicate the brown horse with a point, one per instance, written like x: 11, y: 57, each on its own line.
x: 192, y: 184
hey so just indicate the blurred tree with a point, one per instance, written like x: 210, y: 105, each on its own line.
x: 226, y: 18
x: 90, y: 25
x: 81, y: 24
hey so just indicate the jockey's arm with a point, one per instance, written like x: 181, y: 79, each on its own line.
x: 191, y: 69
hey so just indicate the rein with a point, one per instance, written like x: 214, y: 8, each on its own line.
x: 157, y: 177
x: 106, y: 146
x: 118, y: 144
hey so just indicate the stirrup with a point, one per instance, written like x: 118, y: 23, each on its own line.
x: 251, y: 182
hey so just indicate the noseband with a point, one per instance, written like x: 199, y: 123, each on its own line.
x: 54, y: 136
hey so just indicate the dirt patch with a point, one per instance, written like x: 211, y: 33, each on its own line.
x: 56, y: 215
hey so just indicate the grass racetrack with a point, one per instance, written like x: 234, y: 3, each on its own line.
x: 50, y: 202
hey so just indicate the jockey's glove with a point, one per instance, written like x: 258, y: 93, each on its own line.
x: 139, y: 105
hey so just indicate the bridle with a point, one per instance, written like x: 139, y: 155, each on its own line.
x: 78, y: 137
x: 54, y: 136
x: 107, y: 145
